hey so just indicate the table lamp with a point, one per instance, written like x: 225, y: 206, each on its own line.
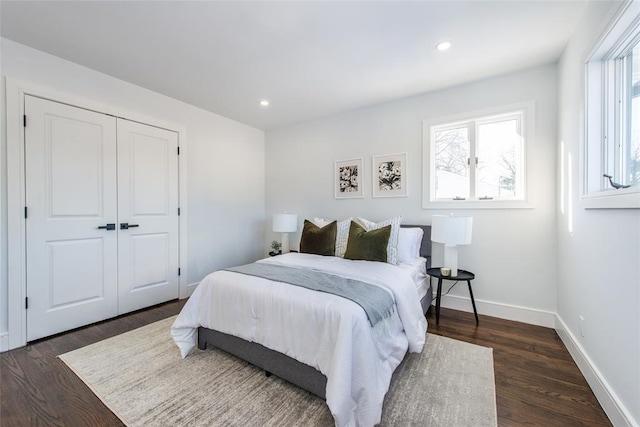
x: 452, y: 231
x: 285, y: 223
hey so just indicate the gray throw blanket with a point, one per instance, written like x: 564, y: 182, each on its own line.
x: 376, y: 302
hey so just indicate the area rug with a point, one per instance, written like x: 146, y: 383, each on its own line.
x: 141, y: 377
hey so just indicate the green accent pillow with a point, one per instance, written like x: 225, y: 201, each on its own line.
x: 319, y: 240
x: 367, y: 245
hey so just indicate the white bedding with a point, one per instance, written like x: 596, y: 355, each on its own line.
x: 327, y: 332
x: 417, y: 269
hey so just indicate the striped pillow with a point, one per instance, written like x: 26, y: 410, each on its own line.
x: 392, y: 247
x: 342, y: 235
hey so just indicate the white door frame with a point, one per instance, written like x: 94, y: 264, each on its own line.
x: 16, y: 253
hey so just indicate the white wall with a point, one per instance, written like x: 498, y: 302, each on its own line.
x: 513, y: 252
x: 225, y: 162
x: 599, y: 253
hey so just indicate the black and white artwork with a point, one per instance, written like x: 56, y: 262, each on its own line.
x: 348, y: 179
x: 390, y: 175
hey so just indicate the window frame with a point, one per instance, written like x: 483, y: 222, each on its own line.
x: 606, y: 120
x: 527, y: 112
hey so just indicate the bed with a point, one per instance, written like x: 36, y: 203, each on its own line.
x: 310, y: 343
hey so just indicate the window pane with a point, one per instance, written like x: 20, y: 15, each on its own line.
x: 631, y: 150
x: 451, y: 154
x: 498, y: 159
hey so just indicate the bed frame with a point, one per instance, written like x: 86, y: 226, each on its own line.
x: 285, y: 367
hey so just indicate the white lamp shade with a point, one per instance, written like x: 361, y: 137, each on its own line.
x: 451, y: 230
x: 285, y: 223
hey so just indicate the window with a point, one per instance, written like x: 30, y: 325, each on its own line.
x: 627, y: 153
x: 612, y: 147
x: 476, y: 161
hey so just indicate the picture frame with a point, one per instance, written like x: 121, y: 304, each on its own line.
x: 348, y: 179
x: 390, y: 175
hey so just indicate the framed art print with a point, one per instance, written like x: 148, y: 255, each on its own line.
x: 390, y: 175
x: 348, y: 179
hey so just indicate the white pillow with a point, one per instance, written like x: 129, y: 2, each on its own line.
x: 409, y: 243
x: 392, y: 247
x: 342, y: 234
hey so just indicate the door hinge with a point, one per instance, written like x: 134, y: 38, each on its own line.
x: 178, y: 271
x: 24, y: 120
x: 178, y: 211
x: 26, y: 302
x: 178, y: 151
x: 25, y: 212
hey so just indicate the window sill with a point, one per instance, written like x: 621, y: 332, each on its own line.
x: 477, y: 204
x: 627, y: 198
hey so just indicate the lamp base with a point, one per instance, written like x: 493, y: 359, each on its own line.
x: 285, y: 243
x: 450, y: 258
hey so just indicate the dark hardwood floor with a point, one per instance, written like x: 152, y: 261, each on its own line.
x: 537, y: 382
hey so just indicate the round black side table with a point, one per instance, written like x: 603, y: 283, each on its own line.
x: 463, y: 275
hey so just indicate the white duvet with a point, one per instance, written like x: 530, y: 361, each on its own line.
x: 327, y: 332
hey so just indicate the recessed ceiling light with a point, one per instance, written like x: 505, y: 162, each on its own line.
x: 442, y: 46
x: 264, y: 103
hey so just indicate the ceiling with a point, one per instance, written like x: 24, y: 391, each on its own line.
x: 309, y: 59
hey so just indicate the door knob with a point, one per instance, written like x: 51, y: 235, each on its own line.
x: 107, y: 227
x: 126, y: 226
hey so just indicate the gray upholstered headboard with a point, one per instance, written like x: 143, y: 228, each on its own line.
x: 425, y: 249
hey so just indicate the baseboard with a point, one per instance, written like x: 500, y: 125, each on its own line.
x: 4, y: 342
x: 186, y: 290
x: 531, y: 316
x: 615, y: 410
x: 190, y: 288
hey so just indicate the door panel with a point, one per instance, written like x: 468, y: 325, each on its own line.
x: 74, y: 276
x: 70, y: 192
x: 149, y: 174
x: 147, y: 250
x: 74, y: 150
x: 148, y: 199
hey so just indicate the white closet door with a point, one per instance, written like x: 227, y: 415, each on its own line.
x: 147, y: 215
x: 70, y: 193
